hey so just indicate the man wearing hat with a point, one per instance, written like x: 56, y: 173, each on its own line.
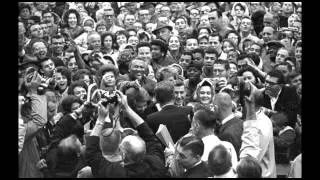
x: 163, y: 31
x: 159, y: 50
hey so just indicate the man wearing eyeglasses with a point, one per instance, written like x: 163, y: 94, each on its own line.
x: 108, y: 16
x: 280, y: 98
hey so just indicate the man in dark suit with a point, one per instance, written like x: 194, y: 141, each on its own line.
x: 189, y: 152
x: 231, y: 127
x: 175, y: 118
x: 280, y: 98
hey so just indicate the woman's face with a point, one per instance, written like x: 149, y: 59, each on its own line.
x: 72, y: 20
x: 233, y: 69
x: 109, y: 79
x: 180, y: 24
x: 227, y: 47
x: 80, y: 92
x: 298, y: 53
x: 62, y: 81
x: 203, y: 32
x: 121, y: 39
x: 205, y: 95
x: 238, y: 11
x: 74, y: 106
x: 72, y: 65
x: 107, y: 42
x: 174, y: 43
x: 101, y: 29
x: 248, y: 76
x: 133, y: 40
x: 86, y: 79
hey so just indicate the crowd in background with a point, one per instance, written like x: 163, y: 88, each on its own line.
x: 96, y: 80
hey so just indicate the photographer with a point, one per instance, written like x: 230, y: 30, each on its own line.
x: 34, y: 115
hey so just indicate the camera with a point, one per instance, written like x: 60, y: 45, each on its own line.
x: 108, y: 98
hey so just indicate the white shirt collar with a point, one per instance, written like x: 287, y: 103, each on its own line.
x: 273, y: 100
x: 228, y: 118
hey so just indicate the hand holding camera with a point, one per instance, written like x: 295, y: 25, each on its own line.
x: 32, y: 79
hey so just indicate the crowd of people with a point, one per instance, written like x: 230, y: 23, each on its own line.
x: 97, y: 79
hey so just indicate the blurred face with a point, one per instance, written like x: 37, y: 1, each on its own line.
x: 298, y: 53
x: 204, y: 20
x: 108, y: 17
x: 121, y: 39
x: 133, y: 40
x: 284, y: 69
x: 149, y: 27
x: 233, y: 37
x: 72, y: 65
x: 203, y: 32
x: 272, y: 86
x: 164, y: 33
x: 101, y: 29
x: 238, y: 11
x: 245, y: 25
x: 205, y: 10
x: 179, y: 94
x: 107, y: 42
x: 215, y: 43
x: 74, y: 106
x: 156, y: 52
x: 86, y: 79
x: 79, y: 92
x: 57, y: 45
x: 129, y: 21
x: 297, y: 82
x: 137, y: 26
x: 144, y: 16
x: 254, y: 48
x: 47, y: 67
x: 109, y: 79
x: 209, y: 59
x: 25, y: 13
x: 48, y: 17
x: 62, y: 81
x: 268, y: 34
x: 145, y: 53
x: 219, y: 70
x: 233, y: 69
x: 140, y: 107
x: 185, y: 60
x: 227, y: 47
x: 213, y: 18
x: 72, y: 20
x: 40, y: 50
x: 254, y: 6
x: 205, y: 95
x: 36, y: 31
x: 185, y: 157
x: 52, y: 109
x: 95, y: 42
x: 194, y: 14
x: 248, y: 76
x: 166, y: 11
x: 191, y: 44
x: 137, y: 69
x: 281, y: 55
x: 174, y: 43
x: 88, y: 26
x: 232, y: 56
x: 203, y: 43
x: 180, y: 24
x: 287, y: 7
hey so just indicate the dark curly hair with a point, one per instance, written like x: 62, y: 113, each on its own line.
x: 65, y: 72
x: 106, y: 68
x: 67, y: 103
x: 79, y: 83
x: 66, y: 17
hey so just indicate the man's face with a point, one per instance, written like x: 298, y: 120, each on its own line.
x: 25, y: 13
x: 281, y: 55
x: 179, y: 94
x: 141, y: 106
x: 133, y: 40
x: 245, y: 25
x: 80, y: 92
x: 48, y: 18
x: 205, y: 95
x: 185, y: 60
x: 132, y: 7
x: 205, y: 10
x: 254, y: 48
x: 145, y: 53
x: 215, y: 43
x: 166, y: 11
x: 298, y: 53
x: 101, y: 29
x: 36, y: 31
x: 203, y: 43
x: 209, y: 59
x: 108, y: 17
x: 107, y: 42
x: 268, y: 34
x: 72, y: 65
x: 297, y: 82
x: 213, y: 18
x: 164, y: 33
x: 232, y: 56
x: 40, y: 50
x: 62, y: 81
x: 193, y: 73
x: 197, y: 58
x: 191, y: 44
x: 109, y: 79
x: 156, y: 52
x: 185, y: 157
x: 233, y: 69
x: 47, y: 67
x: 45, y: 29
x: 204, y: 20
x: 95, y: 42
x: 180, y: 24
x: 272, y: 86
x: 287, y: 7
x: 137, y: 69
x: 254, y: 6
x: 284, y: 69
x: 242, y: 63
x: 144, y: 16
x: 174, y: 43
x: 137, y: 26
x: 129, y: 21
x: 219, y: 70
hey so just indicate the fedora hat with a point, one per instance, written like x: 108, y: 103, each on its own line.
x: 161, y: 25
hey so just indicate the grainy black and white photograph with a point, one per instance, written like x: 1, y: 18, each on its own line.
x: 159, y: 89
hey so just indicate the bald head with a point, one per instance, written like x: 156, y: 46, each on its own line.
x: 223, y: 101
x: 134, y: 148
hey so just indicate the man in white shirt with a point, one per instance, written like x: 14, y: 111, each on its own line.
x: 109, y: 17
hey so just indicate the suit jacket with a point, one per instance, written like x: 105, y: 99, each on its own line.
x: 288, y: 102
x: 199, y: 171
x: 174, y: 117
x: 231, y: 131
